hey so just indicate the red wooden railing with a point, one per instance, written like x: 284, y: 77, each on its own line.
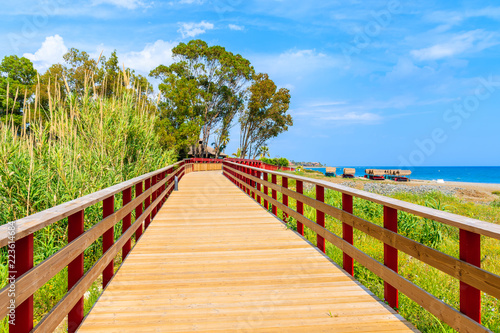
x: 16, y: 299
x: 152, y: 189
x: 466, y: 268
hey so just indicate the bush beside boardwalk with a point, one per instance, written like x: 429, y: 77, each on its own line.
x: 439, y: 236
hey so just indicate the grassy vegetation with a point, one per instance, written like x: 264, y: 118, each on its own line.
x: 436, y: 235
x: 82, y: 145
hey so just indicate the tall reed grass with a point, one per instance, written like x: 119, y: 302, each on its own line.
x: 79, y: 145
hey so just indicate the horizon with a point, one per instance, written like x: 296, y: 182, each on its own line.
x: 379, y: 83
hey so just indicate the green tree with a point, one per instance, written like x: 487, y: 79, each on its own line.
x: 219, y: 79
x: 17, y: 81
x: 265, y: 116
x: 264, y: 151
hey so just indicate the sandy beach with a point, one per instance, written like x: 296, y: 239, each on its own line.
x: 476, y: 192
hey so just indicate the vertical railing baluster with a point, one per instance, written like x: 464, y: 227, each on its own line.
x: 252, y: 173
x: 153, y: 196
x: 347, y: 233
x: 75, y: 269
x: 147, y: 202
x: 23, y: 316
x: 274, y: 195
x: 391, y: 256
x: 470, y: 297
x: 108, y: 239
x: 127, y: 221
x: 258, y: 188
x: 266, y: 191
x: 300, y: 206
x: 320, y: 217
x: 284, y: 183
x: 138, y: 210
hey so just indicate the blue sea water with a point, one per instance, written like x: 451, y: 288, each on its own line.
x: 475, y: 174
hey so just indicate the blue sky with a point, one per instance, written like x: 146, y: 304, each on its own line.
x: 372, y: 82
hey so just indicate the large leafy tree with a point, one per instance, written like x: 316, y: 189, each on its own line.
x: 217, y: 78
x: 17, y: 84
x: 265, y: 115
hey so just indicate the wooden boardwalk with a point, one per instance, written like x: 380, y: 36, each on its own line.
x: 213, y: 260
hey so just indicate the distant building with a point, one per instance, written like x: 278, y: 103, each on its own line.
x: 197, y: 151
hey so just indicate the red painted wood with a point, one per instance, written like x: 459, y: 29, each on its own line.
x: 284, y: 183
x: 274, y: 195
x: 153, y: 196
x: 266, y: 190
x: 138, y: 210
x: 127, y: 221
x: 147, y: 202
x: 108, y: 238
x: 391, y: 256
x: 347, y: 233
x: 252, y: 173
x: 21, y: 320
x: 470, y: 297
x: 300, y: 207
x: 320, y: 217
x: 258, y: 175
x: 75, y: 269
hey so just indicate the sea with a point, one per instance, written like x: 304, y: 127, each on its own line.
x: 472, y: 174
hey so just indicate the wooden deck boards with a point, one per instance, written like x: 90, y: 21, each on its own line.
x: 214, y: 261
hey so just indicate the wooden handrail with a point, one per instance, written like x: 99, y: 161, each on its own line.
x: 462, y: 222
x: 466, y: 271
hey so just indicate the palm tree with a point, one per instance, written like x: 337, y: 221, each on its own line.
x: 238, y: 153
x: 264, y: 150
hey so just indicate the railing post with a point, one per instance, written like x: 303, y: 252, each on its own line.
x: 138, y: 210
x: 127, y: 221
x: 391, y: 256
x: 274, y: 194
x: 75, y: 269
x: 249, y: 181
x: 147, y: 202
x: 266, y: 191
x: 470, y: 297
x: 258, y: 173
x: 284, y: 183
x: 108, y: 239
x: 252, y: 173
x: 320, y: 217
x: 23, y: 320
x: 300, y: 206
x: 347, y: 233
x: 153, y: 197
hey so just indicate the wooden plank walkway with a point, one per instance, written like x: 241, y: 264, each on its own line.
x: 213, y: 260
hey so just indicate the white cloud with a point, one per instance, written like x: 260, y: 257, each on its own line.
x: 468, y: 42
x: 51, y: 52
x: 153, y: 55
x: 191, y: 29
x: 236, y: 27
x: 190, y: 2
x: 128, y: 4
x: 354, y: 117
x: 293, y: 65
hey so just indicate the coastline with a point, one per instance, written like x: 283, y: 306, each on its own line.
x: 469, y: 191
